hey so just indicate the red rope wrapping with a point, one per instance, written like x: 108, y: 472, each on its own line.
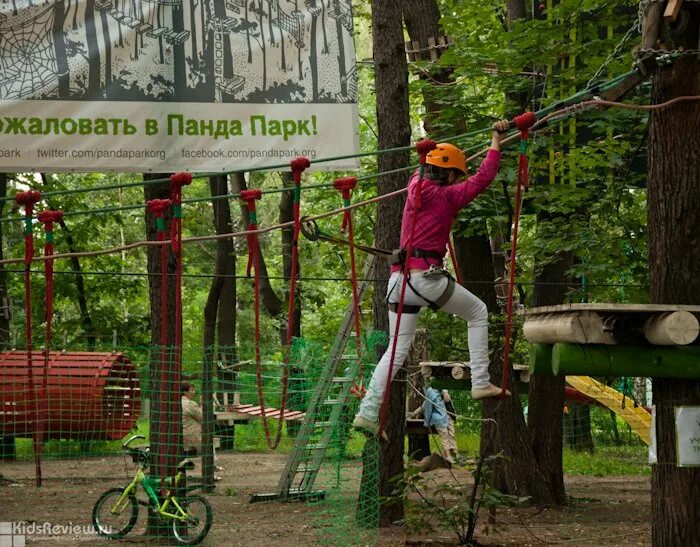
x: 177, y: 181
x: 47, y: 218
x: 250, y: 197
x: 422, y: 147
x: 28, y: 199
x: 523, y: 123
x: 345, y: 186
x: 158, y: 208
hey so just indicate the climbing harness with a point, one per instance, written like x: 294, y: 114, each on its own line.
x: 434, y: 272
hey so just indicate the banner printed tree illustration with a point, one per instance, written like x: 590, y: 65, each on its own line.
x: 163, y: 52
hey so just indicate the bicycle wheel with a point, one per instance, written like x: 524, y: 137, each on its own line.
x: 198, y: 523
x: 114, y: 525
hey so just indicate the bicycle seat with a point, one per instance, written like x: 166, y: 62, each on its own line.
x: 185, y: 465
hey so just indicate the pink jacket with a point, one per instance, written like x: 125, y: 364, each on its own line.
x: 439, y: 206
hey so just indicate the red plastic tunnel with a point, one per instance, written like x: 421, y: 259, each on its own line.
x: 90, y: 395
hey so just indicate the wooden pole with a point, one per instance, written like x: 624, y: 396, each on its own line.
x: 598, y: 360
x: 584, y: 327
x: 677, y: 328
x: 541, y: 359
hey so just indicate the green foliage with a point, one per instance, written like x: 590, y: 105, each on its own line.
x: 431, y: 505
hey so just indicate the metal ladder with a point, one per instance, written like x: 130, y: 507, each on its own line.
x: 331, y: 398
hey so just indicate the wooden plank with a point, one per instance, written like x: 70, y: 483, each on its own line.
x: 432, y: 49
x: 650, y: 26
x: 673, y: 7
x: 611, y: 308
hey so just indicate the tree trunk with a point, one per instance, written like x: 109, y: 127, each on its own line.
x: 221, y: 305
x: 519, y: 472
x: 673, y: 197
x: 391, y: 84
x: 287, y: 215
x: 546, y: 398
x: 161, y: 389
x: 7, y: 443
x: 4, y: 302
x: 295, y: 396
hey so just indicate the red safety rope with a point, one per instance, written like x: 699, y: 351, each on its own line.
x: 250, y: 197
x: 523, y: 123
x: 28, y: 199
x: 47, y: 218
x: 345, y: 186
x: 158, y: 207
x: 422, y: 147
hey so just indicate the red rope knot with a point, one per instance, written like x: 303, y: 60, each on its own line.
x: 298, y: 165
x: 158, y: 206
x: 423, y: 147
x: 524, y: 122
x: 181, y: 179
x: 249, y: 196
x: 28, y: 198
x: 345, y: 185
x: 47, y: 218
x: 177, y: 181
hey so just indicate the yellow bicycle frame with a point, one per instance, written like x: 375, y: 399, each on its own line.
x: 142, y: 479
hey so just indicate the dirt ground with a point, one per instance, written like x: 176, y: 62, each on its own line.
x: 603, y: 510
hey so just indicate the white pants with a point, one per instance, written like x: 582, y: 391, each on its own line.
x: 462, y: 303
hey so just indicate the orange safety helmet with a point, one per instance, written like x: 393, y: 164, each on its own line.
x: 447, y: 156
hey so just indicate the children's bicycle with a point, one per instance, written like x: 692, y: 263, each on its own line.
x: 117, y: 510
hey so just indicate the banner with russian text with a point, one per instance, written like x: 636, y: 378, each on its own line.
x: 173, y: 85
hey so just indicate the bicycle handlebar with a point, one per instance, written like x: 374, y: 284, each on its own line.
x: 133, y: 438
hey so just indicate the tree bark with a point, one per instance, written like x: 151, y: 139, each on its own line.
x: 161, y: 388
x: 546, y: 398
x: 295, y: 396
x: 219, y: 323
x: 391, y: 84
x: 4, y: 302
x: 673, y: 198
x: 7, y: 443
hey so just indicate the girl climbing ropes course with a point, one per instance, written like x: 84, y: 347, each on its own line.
x: 436, y: 200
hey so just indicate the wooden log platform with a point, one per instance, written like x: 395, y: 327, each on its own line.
x: 611, y: 324
x: 457, y: 375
